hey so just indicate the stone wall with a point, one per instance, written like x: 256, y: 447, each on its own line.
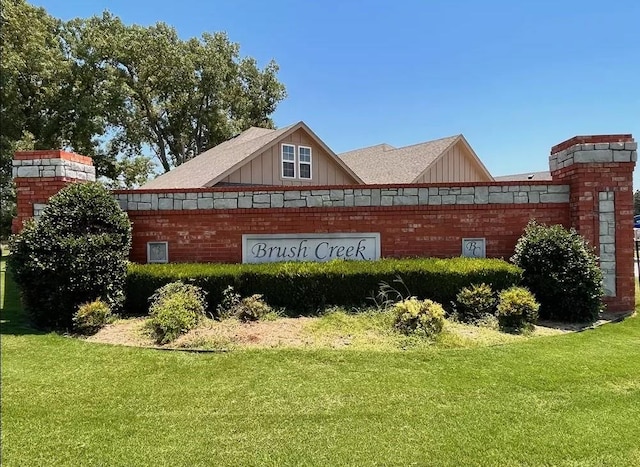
x: 257, y: 198
x: 54, y: 167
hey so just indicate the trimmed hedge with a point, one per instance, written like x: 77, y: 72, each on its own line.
x: 306, y: 288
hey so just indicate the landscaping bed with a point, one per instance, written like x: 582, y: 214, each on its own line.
x: 334, y: 330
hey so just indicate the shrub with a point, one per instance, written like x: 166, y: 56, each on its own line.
x: 475, y: 303
x: 245, y: 309
x: 228, y: 304
x: 75, y: 253
x: 562, y: 272
x: 305, y: 288
x: 175, y: 309
x: 422, y: 317
x: 517, y: 309
x: 91, y: 317
x: 252, y: 308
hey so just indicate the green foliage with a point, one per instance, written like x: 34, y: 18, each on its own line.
x: 105, y: 89
x: 178, y: 97
x: 419, y: 317
x: 91, y: 317
x: 562, y: 272
x: 475, y: 303
x: 251, y: 308
x: 230, y: 300
x: 175, y: 309
x: 306, y: 288
x: 75, y: 253
x: 517, y: 309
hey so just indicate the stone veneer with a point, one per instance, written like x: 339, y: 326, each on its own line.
x: 607, y: 237
x: 41, y: 168
x: 594, y: 153
x: 134, y: 200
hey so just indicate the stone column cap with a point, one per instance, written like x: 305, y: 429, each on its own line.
x: 592, y: 139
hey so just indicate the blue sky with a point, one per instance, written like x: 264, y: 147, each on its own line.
x: 514, y: 77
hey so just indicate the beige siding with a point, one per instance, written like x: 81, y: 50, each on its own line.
x: 265, y: 168
x: 455, y: 165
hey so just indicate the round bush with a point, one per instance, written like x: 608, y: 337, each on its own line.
x: 517, y: 309
x: 475, y: 303
x: 75, y: 253
x: 175, y: 309
x: 423, y: 317
x: 562, y: 271
x: 91, y: 317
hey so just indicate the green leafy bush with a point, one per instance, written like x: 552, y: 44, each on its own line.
x: 75, y: 253
x: 422, y: 317
x: 562, y: 272
x: 251, y: 308
x: 306, y: 288
x: 91, y: 317
x: 228, y: 304
x: 175, y: 309
x: 517, y: 309
x: 475, y: 303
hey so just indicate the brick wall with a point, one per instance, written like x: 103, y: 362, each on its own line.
x: 591, y: 190
x: 216, y: 235
x: 38, y: 175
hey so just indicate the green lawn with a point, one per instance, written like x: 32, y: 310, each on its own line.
x: 570, y: 400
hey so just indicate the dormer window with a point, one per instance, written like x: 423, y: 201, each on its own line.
x: 288, y: 161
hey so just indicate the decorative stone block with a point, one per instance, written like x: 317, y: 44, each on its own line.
x: 500, y: 198
x: 225, y: 203
x: 205, y: 203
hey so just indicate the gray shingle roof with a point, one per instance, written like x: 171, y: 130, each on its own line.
x: 206, y: 167
x: 534, y: 176
x: 383, y: 163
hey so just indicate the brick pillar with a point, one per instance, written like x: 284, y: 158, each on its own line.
x: 38, y: 175
x: 599, y: 171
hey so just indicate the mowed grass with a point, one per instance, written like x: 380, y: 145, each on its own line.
x: 569, y: 400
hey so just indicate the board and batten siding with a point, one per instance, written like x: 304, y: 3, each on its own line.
x: 455, y: 165
x: 265, y: 168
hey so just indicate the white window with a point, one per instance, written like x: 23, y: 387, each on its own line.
x: 304, y: 159
x: 288, y: 161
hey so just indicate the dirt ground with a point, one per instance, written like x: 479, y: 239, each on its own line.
x: 281, y: 333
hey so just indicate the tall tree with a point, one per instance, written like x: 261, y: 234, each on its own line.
x: 177, y: 98
x: 119, y: 93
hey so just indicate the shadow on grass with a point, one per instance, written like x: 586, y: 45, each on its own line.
x: 13, y: 319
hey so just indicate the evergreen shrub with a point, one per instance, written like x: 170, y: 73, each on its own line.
x: 306, y: 288
x: 562, y: 271
x: 475, y: 303
x: 419, y: 317
x: 91, y: 317
x: 76, y: 252
x: 175, y: 309
x: 517, y: 309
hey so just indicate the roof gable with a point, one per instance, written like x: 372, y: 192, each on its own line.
x: 213, y: 165
x: 383, y: 163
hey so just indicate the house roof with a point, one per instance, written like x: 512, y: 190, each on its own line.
x: 535, y: 176
x: 211, y: 166
x: 383, y: 163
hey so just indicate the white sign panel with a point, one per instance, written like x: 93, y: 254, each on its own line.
x: 271, y: 248
x: 474, y: 247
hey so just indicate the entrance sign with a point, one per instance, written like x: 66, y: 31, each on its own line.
x: 271, y: 248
